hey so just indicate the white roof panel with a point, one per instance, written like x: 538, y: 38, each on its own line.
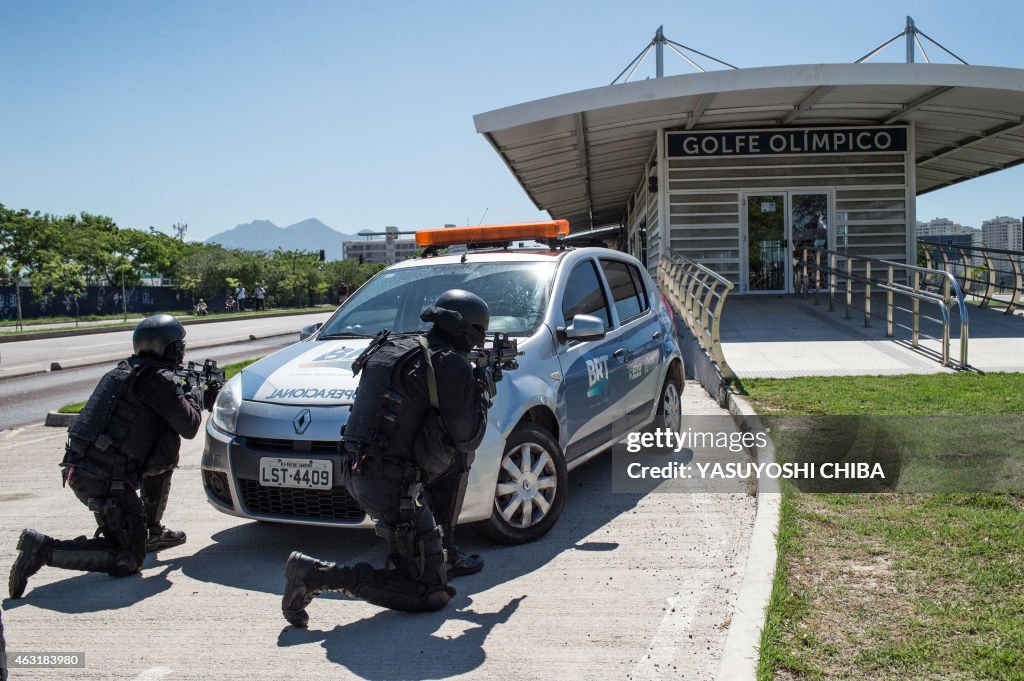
x: 581, y: 155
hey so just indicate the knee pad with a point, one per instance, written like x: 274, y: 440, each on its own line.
x: 124, y: 564
x: 392, y: 589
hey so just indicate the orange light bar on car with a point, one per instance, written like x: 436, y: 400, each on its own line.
x: 490, y: 233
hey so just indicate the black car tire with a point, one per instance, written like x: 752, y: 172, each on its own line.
x: 671, y: 399
x: 547, y: 480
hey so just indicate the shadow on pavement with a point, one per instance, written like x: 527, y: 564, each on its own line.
x: 251, y: 557
x: 358, y: 646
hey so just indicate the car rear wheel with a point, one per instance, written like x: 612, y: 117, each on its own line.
x: 670, y: 407
x: 531, y: 490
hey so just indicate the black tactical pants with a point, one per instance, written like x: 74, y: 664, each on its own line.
x: 119, y: 547
x: 444, y: 495
x: 417, y: 580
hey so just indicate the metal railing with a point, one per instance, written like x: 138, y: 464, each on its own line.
x: 992, y: 274
x: 699, y: 294
x: 821, y: 270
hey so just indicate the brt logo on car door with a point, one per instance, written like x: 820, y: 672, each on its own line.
x: 597, y: 376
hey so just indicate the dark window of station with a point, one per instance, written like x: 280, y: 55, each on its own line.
x: 630, y: 301
x: 583, y: 295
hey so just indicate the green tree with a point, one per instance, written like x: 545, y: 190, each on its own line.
x: 60, y: 277
x: 25, y: 239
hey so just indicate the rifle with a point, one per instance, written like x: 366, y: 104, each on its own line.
x: 207, y: 376
x: 501, y: 356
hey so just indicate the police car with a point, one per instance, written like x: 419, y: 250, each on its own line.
x: 599, y: 359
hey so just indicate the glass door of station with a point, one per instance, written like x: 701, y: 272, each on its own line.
x: 778, y: 226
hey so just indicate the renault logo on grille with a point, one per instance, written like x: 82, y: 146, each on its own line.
x: 301, y: 422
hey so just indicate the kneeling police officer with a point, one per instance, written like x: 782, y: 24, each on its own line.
x: 127, y: 437
x: 408, y: 448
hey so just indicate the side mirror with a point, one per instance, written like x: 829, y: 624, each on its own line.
x: 307, y: 331
x: 584, y: 327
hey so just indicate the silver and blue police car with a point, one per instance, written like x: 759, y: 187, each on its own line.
x: 599, y: 359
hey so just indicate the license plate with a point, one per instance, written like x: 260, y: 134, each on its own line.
x: 303, y: 473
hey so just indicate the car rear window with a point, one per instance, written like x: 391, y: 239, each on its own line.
x: 627, y: 289
x: 516, y: 295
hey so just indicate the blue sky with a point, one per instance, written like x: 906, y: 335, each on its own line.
x: 360, y: 113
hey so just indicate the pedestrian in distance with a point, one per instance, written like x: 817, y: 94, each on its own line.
x: 240, y: 297
x: 260, y: 294
x: 408, y: 448
x: 118, y: 461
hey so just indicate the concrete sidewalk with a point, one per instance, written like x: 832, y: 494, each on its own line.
x: 786, y: 336
x: 638, y: 586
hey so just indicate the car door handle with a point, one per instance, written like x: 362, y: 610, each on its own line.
x: 657, y: 335
x: 621, y: 352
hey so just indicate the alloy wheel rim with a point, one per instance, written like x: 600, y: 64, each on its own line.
x: 670, y: 408
x: 527, y: 485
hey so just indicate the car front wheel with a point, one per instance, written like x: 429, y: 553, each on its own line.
x: 531, y: 490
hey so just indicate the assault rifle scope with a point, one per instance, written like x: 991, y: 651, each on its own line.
x: 207, y: 376
x: 501, y: 356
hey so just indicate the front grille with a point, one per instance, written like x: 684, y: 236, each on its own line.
x: 270, y: 444
x: 312, y: 504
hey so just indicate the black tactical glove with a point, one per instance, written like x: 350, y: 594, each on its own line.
x: 195, y: 396
x: 484, y: 376
x: 210, y: 395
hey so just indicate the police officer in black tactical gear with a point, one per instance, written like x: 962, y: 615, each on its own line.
x: 126, y: 439
x: 408, y: 447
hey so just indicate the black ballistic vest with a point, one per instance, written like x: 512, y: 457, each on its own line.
x: 385, y: 418
x: 116, y: 431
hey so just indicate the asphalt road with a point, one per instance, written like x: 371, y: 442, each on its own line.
x: 26, y: 400
x: 638, y: 586
x: 74, y: 350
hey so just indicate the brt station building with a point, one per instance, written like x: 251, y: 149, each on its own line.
x: 741, y: 170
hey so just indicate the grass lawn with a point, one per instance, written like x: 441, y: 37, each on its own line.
x: 899, y: 586
x: 229, y: 371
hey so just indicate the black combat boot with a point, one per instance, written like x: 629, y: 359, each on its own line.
x: 304, y: 578
x: 33, y: 553
x: 458, y: 563
x: 161, y: 538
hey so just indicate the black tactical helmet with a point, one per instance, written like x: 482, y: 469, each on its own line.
x: 461, y: 316
x: 160, y: 337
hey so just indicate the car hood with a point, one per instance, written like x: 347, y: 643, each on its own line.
x: 309, y: 373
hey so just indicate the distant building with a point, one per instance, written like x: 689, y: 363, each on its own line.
x: 389, y: 250
x: 945, y: 231
x: 940, y: 227
x: 1002, y: 232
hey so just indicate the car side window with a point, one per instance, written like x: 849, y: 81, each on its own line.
x: 630, y: 301
x: 583, y: 294
x: 641, y: 288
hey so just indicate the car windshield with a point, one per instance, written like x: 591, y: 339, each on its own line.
x: 516, y: 293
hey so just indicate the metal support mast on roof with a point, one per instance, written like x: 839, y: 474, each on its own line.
x: 911, y: 32
x: 658, y: 43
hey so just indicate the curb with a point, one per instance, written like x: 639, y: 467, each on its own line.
x: 103, y: 359
x: 55, y: 418
x: 87, y: 331
x: 740, y: 654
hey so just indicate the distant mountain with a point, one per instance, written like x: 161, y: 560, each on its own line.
x: 263, y: 235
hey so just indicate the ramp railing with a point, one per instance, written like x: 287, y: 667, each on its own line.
x: 699, y: 294
x: 993, y: 275
x: 836, y: 273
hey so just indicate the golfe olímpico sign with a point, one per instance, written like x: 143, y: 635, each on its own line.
x: 780, y: 141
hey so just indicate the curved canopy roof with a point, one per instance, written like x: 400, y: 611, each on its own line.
x: 581, y: 155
